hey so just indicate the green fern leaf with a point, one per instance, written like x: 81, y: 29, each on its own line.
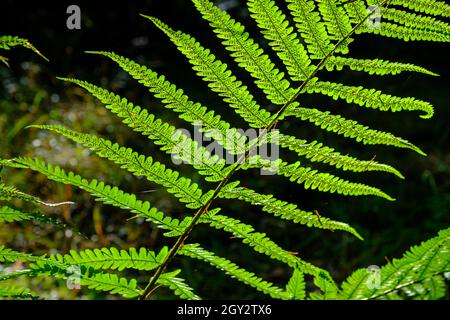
x: 115, y: 259
x: 405, y: 33
x: 15, y: 274
x: 116, y: 197
x: 374, y: 66
x: 7, y: 193
x: 8, y: 214
x: 230, y: 268
x: 433, y: 288
x: 214, y: 71
x: 16, y: 293
x: 282, y: 38
x: 337, y: 22
x: 296, y: 286
x: 173, y: 142
x: 88, y: 277
x: 311, y: 28
x: 329, y: 291
x: 112, y: 284
x: 10, y: 163
x: 414, y: 20
x: 357, y: 9
x: 261, y: 243
x: 313, y: 179
x: 220, y: 78
x: 371, y: 98
x: 211, y: 124
x: 182, y: 188
x: 7, y: 42
x: 317, y: 152
x: 178, y: 285
x: 432, y: 7
x: 107, y: 194
x: 421, y: 263
x: 350, y: 128
x: 247, y: 53
x: 8, y: 255
x: 285, y: 210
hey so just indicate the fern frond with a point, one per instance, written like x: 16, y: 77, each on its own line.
x: 374, y: 66
x: 371, y: 98
x: 405, y: 33
x: 16, y: 293
x: 178, y: 285
x: 88, y: 277
x: 313, y: 179
x: 113, y: 284
x: 111, y: 258
x: 54, y: 266
x: 316, y: 152
x: 114, y: 196
x: 247, y: 53
x: 106, y: 194
x: 329, y: 291
x: 7, y: 193
x: 115, y: 259
x: 284, y: 209
x: 182, y: 188
x: 336, y: 21
x: 434, y: 288
x: 432, y: 7
x: 310, y: 27
x: 15, y: 274
x: 419, y: 264
x: 10, y: 163
x: 416, y: 31
x: 257, y: 240
x: 350, y: 128
x: 7, y: 42
x: 216, y: 72
x: 261, y: 243
x: 282, y: 38
x: 173, y: 142
x: 8, y: 214
x: 230, y: 268
x: 357, y: 10
x: 220, y: 78
x: 174, y: 98
x: 296, y: 286
x: 118, y: 198
x: 238, y: 96
x: 414, y: 20
x: 8, y: 255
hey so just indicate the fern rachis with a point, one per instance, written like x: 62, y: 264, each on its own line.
x: 327, y: 29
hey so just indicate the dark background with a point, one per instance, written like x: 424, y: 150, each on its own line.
x: 30, y: 93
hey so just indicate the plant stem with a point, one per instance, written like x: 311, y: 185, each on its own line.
x: 183, y: 237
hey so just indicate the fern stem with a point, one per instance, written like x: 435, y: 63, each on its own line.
x: 182, y: 238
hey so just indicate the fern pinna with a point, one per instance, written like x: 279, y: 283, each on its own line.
x: 310, y: 38
x: 8, y: 42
